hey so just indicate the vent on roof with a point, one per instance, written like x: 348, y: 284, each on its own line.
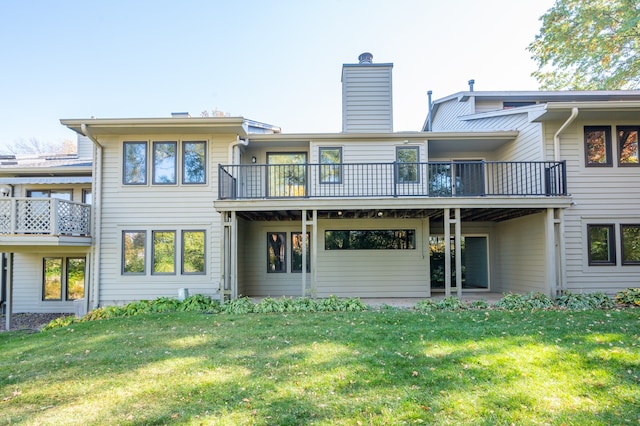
x: 7, y: 157
x: 365, y: 58
x: 180, y: 115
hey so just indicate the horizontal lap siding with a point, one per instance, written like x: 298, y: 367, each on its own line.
x: 601, y: 195
x: 158, y: 207
x: 361, y: 273
x: 367, y: 102
x: 520, y: 255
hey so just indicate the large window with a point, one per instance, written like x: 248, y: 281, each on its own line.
x: 296, y: 252
x: 628, y: 145
x: 62, y: 194
x: 133, y: 249
x: 135, y: 163
x: 276, y: 252
x: 193, y: 252
x: 630, y: 244
x: 601, y: 244
x: 330, y: 165
x: 377, y: 239
x: 194, y: 160
x: 597, y: 146
x: 407, y: 164
x: 63, y: 278
x: 164, y: 163
x: 164, y: 252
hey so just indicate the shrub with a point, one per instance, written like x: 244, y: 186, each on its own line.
x: 451, y: 303
x: 628, y: 297
x: 60, y: 322
x: 241, y: 305
x: 199, y: 303
x: 584, y: 301
x: 478, y: 304
x: 518, y: 302
x: 426, y: 305
x: 165, y: 304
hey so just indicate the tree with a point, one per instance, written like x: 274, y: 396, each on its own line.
x: 35, y: 146
x: 589, y: 45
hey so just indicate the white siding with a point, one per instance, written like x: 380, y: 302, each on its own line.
x: 601, y: 195
x: 344, y: 273
x: 520, y: 255
x: 28, y: 281
x: 367, y: 98
x: 446, y: 116
x: 158, y: 207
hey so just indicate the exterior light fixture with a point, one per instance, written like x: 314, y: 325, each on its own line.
x: 254, y: 159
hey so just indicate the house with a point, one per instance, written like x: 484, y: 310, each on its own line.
x: 499, y: 191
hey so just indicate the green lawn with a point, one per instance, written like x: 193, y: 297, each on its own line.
x: 385, y: 367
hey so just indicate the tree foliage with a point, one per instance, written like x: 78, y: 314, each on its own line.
x: 38, y: 147
x: 589, y: 45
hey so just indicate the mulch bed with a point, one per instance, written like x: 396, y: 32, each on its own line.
x: 28, y: 321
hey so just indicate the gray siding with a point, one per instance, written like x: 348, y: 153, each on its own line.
x: 367, y: 104
x: 446, y: 117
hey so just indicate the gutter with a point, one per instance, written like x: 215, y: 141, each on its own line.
x: 556, y: 137
x: 97, y: 216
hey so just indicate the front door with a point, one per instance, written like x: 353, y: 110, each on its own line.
x: 287, y: 174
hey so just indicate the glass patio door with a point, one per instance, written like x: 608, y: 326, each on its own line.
x: 287, y: 175
x: 474, y: 262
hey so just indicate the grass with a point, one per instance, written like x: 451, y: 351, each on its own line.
x: 386, y: 367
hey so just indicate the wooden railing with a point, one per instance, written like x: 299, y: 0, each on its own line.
x: 48, y: 216
x: 435, y: 179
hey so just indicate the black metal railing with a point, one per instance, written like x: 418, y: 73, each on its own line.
x: 435, y: 179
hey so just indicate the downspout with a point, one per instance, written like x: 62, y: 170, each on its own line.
x: 430, y: 110
x: 96, y: 224
x: 232, y: 145
x: 556, y: 137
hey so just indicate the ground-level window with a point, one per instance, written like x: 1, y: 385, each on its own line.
x: 597, y: 145
x: 164, y: 252
x: 376, y: 239
x: 193, y: 252
x: 601, y: 244
x: 63, y: 278
x: 628, y: 145
x: 134, y: 252
x: 276, y: 252
x: 474, y: 261
x: 296, y: 252
x: 630, y: 244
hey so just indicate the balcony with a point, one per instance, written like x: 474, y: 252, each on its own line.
x: 392, y: 180
x: 43, y: 217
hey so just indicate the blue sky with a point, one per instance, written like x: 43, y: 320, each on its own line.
x: 273, y: 61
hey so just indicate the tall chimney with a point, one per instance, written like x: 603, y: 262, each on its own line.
x: 367, y: 102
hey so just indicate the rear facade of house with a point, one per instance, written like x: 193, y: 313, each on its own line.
x: 499, y: 192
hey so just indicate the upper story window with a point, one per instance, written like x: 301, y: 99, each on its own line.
x: 135, y: 163
x: 407, y: 159
x: 628, y: 145
x: 331, y: 165
x: 164, y: 162
x: 597, y: 145
x: 194, y: 155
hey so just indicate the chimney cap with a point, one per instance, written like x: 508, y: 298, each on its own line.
x: 365, y: 58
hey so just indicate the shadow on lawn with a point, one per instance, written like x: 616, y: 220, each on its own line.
x: 384, y: 367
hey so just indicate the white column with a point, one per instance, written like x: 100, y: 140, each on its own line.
x: 9, y: 290
x: 550, y: 254
x: 458, y: 248
x: 304, y: 253
x: 562, y: 283
x: 234, y: 255
x: 314, y: 252
x: 447, y: 252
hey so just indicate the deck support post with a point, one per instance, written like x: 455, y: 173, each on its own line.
x: 313, y: 223
x: 447, y: 252
x: 448, y: 221
x: 9, y: 301
x: 229, y: 258
x: 458, y: 252
x: 551, y: 261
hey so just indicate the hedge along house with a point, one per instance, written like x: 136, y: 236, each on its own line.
x: 373, y: 213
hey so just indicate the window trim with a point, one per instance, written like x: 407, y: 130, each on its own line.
x: 611, y: 245
x: 607, y: 142
x: 399, y: 163
x: 622, y: 251
x: 153, y: 251
x: 175, y: 162
x: 619, y: 142
x: 144, y: 253
x: 282, y: 236
x: 204, y: 251
x: 145, y: 175
x: 184, y: 168
x: 64, y: 278
x: 330, y: 166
